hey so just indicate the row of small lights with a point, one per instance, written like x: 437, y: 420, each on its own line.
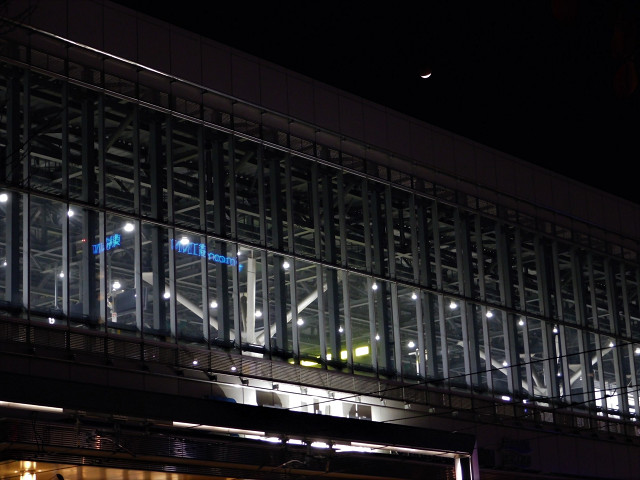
x: 129, y: 227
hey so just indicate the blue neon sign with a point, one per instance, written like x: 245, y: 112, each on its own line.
x: 113, y: 241
x: 191, y: 248
x: 200, y: 250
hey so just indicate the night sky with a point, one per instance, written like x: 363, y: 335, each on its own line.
x: 552, y: 82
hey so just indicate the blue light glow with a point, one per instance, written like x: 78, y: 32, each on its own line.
x: 200, y: 250
x: 113, y: 241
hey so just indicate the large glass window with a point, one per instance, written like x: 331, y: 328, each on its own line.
x: 356, y: 222
x: 50, y: 115
x: 363, y: 334
x: 410, y: 342
x: 448, y: 249
x: 303, y: 212
x: 126, y: 296
x: 83, y: 277
x: 46, y: 269
x: 120, y: 155
x: 190, y: 260
x: 143, y: 224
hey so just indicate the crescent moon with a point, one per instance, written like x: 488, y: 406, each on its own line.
x: 426, y: 75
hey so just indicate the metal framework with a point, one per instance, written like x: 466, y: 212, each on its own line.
x: 123, y: 211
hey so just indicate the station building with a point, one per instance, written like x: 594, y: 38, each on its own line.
x: 213, y: 267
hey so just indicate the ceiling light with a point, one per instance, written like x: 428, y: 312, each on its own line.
x: 128, y: 227
x: 4, y: 197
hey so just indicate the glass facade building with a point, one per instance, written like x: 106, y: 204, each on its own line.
x: 141, y: 218
x: 128, y: 220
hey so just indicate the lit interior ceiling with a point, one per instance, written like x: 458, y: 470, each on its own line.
x: 10, y: 470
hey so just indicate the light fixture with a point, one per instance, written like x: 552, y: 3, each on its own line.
x: 70, y: 213
x: 233, y: 368
x: 258, y: 314
x: 611, y: 344
x: 184, y: 240
x: 374, y: 286
x: 27, y: 470
x: 358, y: 352
x: 300, y: 321
x: 167, y: 295
x: 213, y: 304
x: 195, y: 362
x: 414, y: 296
x: 28, y: 475
x: 411, y: 344
x: 505, y: 364
x: 116, y: 285
x: 377, y: 336
x: 52, y: 321
x: 4, y: 197
x: 521, y: 322
x: 128, y: 227
x: 555, y: 329
x: 340, y: 329
x: 285, y: 265
x: 453, y: 305
x: 489, y: 314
